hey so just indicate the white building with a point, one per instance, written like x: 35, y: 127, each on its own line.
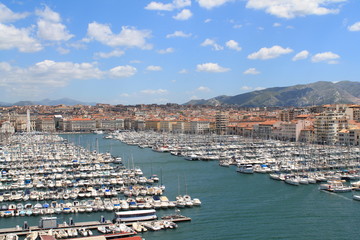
x: 327, y: 126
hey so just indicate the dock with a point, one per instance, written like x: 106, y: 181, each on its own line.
x: 77, y: 225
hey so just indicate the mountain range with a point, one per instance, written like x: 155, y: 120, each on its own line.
x: 318, y: 93
x: 48, y: 102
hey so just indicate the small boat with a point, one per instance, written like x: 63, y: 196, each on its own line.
x: 11, y: 236
x: 31, y: 236
x: 245, y: 168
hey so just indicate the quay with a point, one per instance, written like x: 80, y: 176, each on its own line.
x: 89, y: 225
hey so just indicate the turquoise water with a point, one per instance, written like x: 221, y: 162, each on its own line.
x: 234, y: 206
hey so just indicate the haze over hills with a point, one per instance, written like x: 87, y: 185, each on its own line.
x: 318, y: 93
x: 48, y: 102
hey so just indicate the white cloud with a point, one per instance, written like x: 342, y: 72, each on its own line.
x: 294, y: 8
x: 277, y: 24
x: 211, y: 67
x: 128, y: 37
x: 50, y: 26
x: 213, y: 44
x: 233, y: 45
x: 355, y: 27
x: 62, y: 50
x: 6, y: 15
x: 122, y: 71
x: 185, y: 14
x: 207, y: 20
x: 114, y: 53
x: 135, y: 61
x: 269, y: 53
x: 154, y: 91
x: 203, y: 89
x: 246, y: 88
x: 178, y: 34
x: 124, y: 95
x: 328, y: 57
x: 175, y: 4
x: 301, y: 55
x: 209, y: 4
x: 259, y: 88
x: 251, y: 71
x: 48, y: 14
x: 165, y: 51
x: 48, y: 75
x: 183, y: 71
x: 12, y: 37
x: 154, y: 68
x: 53, y: 31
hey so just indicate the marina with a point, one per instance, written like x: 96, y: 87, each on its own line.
x: 238, y: 208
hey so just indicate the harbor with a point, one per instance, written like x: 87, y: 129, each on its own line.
x: 243, y: 201
x: 44, y: 174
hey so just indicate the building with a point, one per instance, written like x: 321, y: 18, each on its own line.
x: 290, y: 131
x: 353, y: 112
x: 45, y: 125
x: 153, y: 124
x: 110, y: 124
x: 221, y: 122
x: 78, y: 125
x: 6, y: 127
x: 200, y: 126
x: 327, y: 125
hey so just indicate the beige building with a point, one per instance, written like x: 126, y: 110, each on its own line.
x: 110, y: 124
x: 221, y: 122
x: 290, y: 131
x: 327, y: 125
x: 153, y: 125
x: 78, y: 125
x: 45, y: 125
x: 199, y: 127
x: 353, y: 112
x: 6, y: 127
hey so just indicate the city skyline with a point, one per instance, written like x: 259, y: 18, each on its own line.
x: 132, y: 52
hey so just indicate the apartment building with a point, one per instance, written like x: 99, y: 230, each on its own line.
x: 327, y: 125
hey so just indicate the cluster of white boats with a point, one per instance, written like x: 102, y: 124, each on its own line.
x: 97, y: 204
x: 294, y: 163
x: 44, y: 174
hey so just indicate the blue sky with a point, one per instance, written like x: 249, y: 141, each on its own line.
x: 132, y: 52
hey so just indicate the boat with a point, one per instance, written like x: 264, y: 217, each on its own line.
x: 31, y: 236
x: 336, y: 186
x: 196, y: 202
x: 136, y: 215
x: 356, y: 197
x: 292, y: 180
x: 138, y: 227
x: 245, y: 168
x: 153, y: 225
x: 11, y: 236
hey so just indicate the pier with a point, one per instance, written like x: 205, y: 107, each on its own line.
x: 89, y: 225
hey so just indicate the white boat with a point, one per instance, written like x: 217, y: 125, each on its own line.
x: 31, y: 236
x: 245, y: 168
x: 136, y: 215
x: 336, y: 186
x: 356, y: 197
x: 292, y: 181
x: 196, y: 202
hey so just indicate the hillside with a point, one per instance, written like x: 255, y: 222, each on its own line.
x: 317, y: 93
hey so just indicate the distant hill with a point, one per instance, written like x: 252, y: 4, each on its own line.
x: 317, y: 93
x: 48, y: 102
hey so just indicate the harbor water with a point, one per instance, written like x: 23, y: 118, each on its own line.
x: 234, y: 205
